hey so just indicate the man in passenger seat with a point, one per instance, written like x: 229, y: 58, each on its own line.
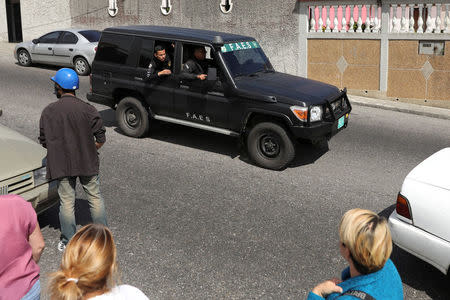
x: 160, y: 65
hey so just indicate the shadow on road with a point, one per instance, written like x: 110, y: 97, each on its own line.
x: 109, y: 117
x: 306, y: 153
x: 416, y: 273
x: 50, y: 217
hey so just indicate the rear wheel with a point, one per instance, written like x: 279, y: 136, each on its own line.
x: 269, y: 146
x: 82, y: 66
x: 24, y: 58
x: 132, y: 117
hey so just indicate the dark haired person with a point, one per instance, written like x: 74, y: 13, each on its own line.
x: 197, y: 66
x: 160, y: 65
x: 72, y: 131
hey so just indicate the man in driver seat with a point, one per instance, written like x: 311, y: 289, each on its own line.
x: 196, y: 67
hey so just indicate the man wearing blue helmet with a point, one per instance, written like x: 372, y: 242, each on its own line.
x: 72, y: 131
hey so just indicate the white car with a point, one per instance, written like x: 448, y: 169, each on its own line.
x: 420, y: 224
x: 72, y: 47
x: 23, y: 170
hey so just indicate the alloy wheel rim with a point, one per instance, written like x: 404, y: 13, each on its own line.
x: 80, y: 66
x: 23, y: 57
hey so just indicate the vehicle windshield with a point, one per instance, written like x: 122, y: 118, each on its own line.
x: 245, y: 58
x: 91, y: 35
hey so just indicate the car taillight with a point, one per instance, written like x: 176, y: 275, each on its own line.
x: 95, y: 49
x: 90, y: 81
x: 402, y: 207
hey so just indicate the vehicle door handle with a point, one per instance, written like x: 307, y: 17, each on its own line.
x: 70, y: 49
x: 184, y: 87
x: 138, y: 78
x: 49, y: 48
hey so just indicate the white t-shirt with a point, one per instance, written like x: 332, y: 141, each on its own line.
x: 122, y: 292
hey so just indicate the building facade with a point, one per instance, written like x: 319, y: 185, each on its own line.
x: 372, y: 48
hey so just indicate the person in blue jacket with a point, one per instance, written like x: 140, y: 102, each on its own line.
x: 366, y: 244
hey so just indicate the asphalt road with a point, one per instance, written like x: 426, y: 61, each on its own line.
x: 193, y: 219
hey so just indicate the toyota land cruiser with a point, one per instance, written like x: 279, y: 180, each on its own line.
x: 243, y: 95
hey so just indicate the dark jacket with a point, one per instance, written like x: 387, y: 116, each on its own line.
x: 156, y: 66
x: 192, y: 68
x: 69, y: 128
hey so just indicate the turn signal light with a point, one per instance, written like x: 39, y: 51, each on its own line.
x: 300, y: 112
x: 402, y: 207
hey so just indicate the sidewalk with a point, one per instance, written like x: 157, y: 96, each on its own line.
x: 6, y: 51
x: 435, y: 112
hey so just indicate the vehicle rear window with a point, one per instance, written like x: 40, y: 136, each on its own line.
x: 114, y: 48
x: 91, y: 35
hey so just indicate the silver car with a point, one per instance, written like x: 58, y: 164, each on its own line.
x: 23, y: 170
x: 72, y: 47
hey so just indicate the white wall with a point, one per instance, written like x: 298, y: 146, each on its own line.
x: 40, y: 17
x: 3, y: 24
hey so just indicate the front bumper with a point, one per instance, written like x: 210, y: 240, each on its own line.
x: 319, y: 130
x: 334, y: 119
x: 420, y: 243
x: 43, y: 196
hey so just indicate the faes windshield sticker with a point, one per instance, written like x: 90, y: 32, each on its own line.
x: 240, y: 46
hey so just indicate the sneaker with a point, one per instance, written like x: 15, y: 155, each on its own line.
x: 61, y: 246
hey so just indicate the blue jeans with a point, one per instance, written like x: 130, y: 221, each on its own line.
x: 66, y: 191
x: 34, y: 293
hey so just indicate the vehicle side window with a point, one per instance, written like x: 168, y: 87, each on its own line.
x: 208, y: 62
x: 114, y: 48
x: 146, y: 53
x: 50, y: 38
x: 68, y: 38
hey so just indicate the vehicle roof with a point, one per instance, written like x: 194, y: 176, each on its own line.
x: 75, y: 29
x: 179, y: 33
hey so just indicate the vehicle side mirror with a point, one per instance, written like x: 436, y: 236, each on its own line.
x: 212, y: 74
x: 35, y: 41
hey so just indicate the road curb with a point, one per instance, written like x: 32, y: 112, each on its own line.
x: 435, y: 112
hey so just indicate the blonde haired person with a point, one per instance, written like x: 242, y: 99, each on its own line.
x: 89, y: 269
x: 366, y: 244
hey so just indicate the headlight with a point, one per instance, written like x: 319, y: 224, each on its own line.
x: 39, y: 176
x: 316, y: 114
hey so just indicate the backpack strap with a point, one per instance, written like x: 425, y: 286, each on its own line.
x: 358, y: 294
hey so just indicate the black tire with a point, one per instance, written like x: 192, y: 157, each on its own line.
x: 132, y: 117
x: 24, y: 58
x: 269, y: 146
x: 81, y: 66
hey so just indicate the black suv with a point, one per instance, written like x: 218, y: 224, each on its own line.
x: 243, y: 95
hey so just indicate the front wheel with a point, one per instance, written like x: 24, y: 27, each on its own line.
x: 269, y: 146
x: 132, y: 117
x: 24, y: 58
x: 82, y: 66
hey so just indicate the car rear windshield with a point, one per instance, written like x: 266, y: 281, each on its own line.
x: 91, y: 35
x: 245, y: 58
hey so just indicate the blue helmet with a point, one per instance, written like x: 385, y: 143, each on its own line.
x: 67, y: 79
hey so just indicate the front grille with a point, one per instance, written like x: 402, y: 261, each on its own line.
x: 17, y: 185
x: 338, y: 107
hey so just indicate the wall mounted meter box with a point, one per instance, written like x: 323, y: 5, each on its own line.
x: 431, y: 47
